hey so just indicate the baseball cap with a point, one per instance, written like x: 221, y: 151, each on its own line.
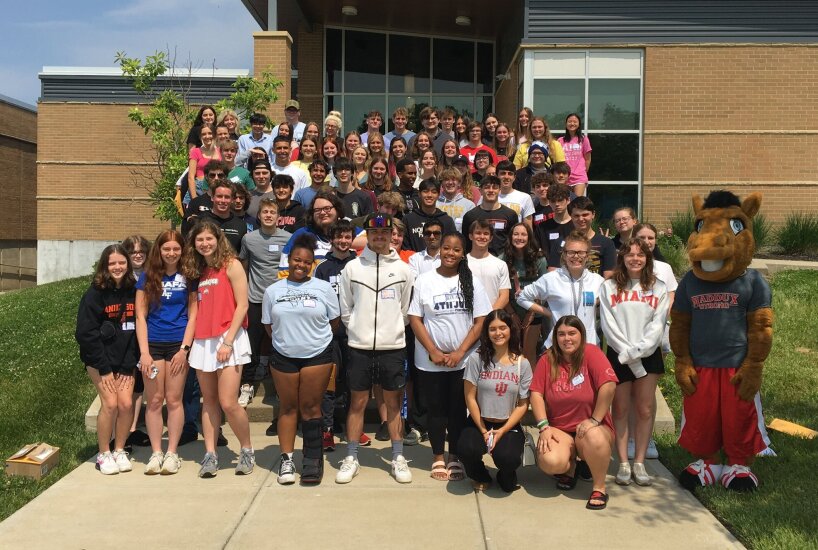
x: 292, y: 104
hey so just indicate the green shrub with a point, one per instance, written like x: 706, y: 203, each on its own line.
x: 762, y: 230
x: 799, y: 234
x: 674, y: 250
x: 682, y: 225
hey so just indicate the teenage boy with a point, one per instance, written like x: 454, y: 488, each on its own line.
x: 501, y: 218
x: 482, y: 162
x: 451, y: 200
x: 376, y: 289
x: 239, y: 175
x: 222, y: 215
x: 446, y: 128
x: 341, y: 235
x: 516, y: 200
x: 260, y: 255
x: 356, y: 202
x: 407, y: 172
x: 400, y: 118
x: 292, y: 112
x: 537, y: 155
x: 490, y: 270
x: 374, y: 121
x: 428, y: 211
x: 553, y: 229
x: 561, y: 172
x: 429, y: 118
x: 318, y: 170
x: 283, y: 165
x: 214, y: 170
x: 255, y: 140
x: 602, y: 256
x: 290, y: 213
x: 263, y: 178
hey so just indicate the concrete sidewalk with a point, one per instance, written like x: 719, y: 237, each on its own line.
x: 88, y: 510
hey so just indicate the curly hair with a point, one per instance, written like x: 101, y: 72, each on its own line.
x: 530, y: 253
x: 464, y: 274
x: 337, y: 204
x: 102, y: 277
x: 194, y: 263
x: 646, y: 279
x: 155, y: 266
x: 486, y: 350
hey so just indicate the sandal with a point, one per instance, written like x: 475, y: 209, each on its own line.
x: 456, y: 471
x: 439, y: 471
x: 566, y: 482
x: 599, y: 496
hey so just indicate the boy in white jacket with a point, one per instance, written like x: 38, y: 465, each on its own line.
x: 375, y: 291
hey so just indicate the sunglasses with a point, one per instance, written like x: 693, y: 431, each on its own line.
x: 432, y: 233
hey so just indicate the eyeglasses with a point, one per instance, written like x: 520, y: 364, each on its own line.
x: 217, y: 175
x: 378, y: 222
x: 324, y: 210
x: 575, y: 253
x: 138, y: 253
x: 432, y: 233
x: 622, y: 220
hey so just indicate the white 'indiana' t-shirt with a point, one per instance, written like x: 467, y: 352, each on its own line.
x: 439, y: 302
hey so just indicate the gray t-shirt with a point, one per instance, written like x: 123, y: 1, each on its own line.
x: 262, y: 252
x: 718, y: 327
x: 499, y: 387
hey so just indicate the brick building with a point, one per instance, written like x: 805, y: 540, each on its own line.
x: 677, y: 97
x: 18, y: 225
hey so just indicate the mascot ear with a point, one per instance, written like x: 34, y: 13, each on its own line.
x: 751, y: 204
x: 698, y: 202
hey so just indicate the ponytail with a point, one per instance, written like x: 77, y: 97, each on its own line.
x: 466, y: 283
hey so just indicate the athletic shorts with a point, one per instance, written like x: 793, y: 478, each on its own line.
x: 654, y: 364
x: 292, y: 365
x: 383, y: 367
x: 715, y: 418
x: 163, y: 351
x: 138, y: 383
x: 203, y: 352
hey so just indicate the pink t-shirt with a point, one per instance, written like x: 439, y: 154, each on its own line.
x: 569, y: 402
x: 575, y: 157
x: 201, y: 160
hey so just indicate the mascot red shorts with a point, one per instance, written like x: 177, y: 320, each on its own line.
x: 714, y: 418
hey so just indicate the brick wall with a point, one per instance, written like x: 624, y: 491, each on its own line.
x: 272, y: 52
x: 310, y: 73
x: 743, y: 118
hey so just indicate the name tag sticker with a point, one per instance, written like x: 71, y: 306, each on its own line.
x: 499, y: 225
x: 309, y: 303
x: 577, y: 380
x: 553, y: 236
x: 388, y: 294
x: 587, y: 298
x: 273, y: 248
x: 333, y: 278
x: 129, y: 325
x: 538, y: 217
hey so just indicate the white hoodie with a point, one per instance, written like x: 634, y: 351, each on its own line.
x: 375, y: 293
x: 633, y: 321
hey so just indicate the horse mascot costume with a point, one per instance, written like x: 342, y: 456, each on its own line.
x: 721, y: 333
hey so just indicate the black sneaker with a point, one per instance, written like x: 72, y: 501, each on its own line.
x: 312, y: 471
x: 221, y: 441
x: 272, y: 429
x: 138, y: 438
x: 188, y: 437
x: 383, y: 432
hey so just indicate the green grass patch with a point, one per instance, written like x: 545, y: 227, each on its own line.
x: 44, y: 390
x: 781, y: 514
x: 799, y: 234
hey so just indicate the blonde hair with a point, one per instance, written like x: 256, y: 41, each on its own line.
x: 334, y: 116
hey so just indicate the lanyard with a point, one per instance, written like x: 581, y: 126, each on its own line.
x: 576, y: 300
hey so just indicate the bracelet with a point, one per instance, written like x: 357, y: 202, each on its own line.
x: 228, y: 345
x: 597, y: 422
x: 544, y: 428
x: 542, y: 423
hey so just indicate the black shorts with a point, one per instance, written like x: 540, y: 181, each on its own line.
x: 292, y: 365
x: 384, y: 367
x: 163, y: 351
x: 654, y: 364
x: 138, y: 383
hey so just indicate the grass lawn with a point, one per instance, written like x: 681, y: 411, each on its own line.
x: 782, y: 513
x: 44, y: 390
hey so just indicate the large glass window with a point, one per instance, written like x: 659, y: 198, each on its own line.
x: 371, y: 70
x: 605, y: 88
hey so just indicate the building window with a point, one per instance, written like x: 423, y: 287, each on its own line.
x: 366, y: 70
x: 605, y: 87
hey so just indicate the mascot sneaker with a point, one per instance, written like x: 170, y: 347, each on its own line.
x: 737, y: 477
x: 699, y: 474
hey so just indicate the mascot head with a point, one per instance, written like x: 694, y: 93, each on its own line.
x: 721, y: 246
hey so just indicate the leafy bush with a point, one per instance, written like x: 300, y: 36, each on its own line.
x: 799, y: 234
x: 762, y: 230
x: 674, y: 250
x: 681, y: 224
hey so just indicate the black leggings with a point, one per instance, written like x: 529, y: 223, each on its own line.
x: 255, y: 331
x: 507, y: 453
x: 441, y: 395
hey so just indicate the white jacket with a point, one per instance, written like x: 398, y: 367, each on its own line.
x: 633, y: 321
x: 375, y: 293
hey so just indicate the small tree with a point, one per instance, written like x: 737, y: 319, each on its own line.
x: 169, y: 116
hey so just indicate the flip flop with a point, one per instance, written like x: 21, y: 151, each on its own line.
x: 456, y: 471
x: 597, y: 495
x: 438, y: 468
x: 566, y: 482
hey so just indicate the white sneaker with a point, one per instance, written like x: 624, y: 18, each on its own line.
x: 246, y: 395
x: 106, y: 464
x: 154, y: 465
x: 623, y: 476
x: 631, y: 449
x: 640, y: 474
x: 171, y: 464
x: 122, y: 461
x: 349, y: 469
x: 286, y: 471
x: 652, y: 451
x: 401, y: 471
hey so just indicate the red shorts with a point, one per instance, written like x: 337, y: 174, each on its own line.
x: 715, y: 418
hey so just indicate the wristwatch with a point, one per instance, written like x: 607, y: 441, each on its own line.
x: 185, y: 349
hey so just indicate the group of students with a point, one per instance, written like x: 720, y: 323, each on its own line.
x: 461, y: 271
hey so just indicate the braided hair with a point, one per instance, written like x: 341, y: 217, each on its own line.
x: 464, y: 274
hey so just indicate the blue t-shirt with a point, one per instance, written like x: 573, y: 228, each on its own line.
x: 167, y: 320
x: 300, y: 314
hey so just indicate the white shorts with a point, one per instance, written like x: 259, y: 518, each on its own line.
x: 203, y: 352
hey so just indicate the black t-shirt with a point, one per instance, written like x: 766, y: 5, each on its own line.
x: 292, y: 217
x: 550, y: 234
x: 501, y: 219
x: 416, y: 220
x: 410, y: 198
x: 356, y: 203
x: 196, y: 209
x: 602, y: 256
x: 233, y: 228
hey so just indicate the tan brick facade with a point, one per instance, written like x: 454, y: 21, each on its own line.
x: 272, y: 52
x: 743, y: 118
x: 18, y: 225
x: 310, y: 74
